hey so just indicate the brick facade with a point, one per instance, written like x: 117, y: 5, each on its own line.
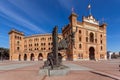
x: 89, y: 42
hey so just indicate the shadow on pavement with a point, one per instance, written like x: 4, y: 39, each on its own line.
x: 102, y: 74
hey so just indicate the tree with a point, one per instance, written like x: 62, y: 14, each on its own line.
x: 4, y: 53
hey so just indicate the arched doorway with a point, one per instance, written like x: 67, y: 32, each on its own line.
x: 91, y: 53
x: 32, y: 57
x: 25, y: 57
x: 40, y: 57
x: 19, y: 57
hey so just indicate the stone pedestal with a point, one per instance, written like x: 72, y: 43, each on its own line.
x: 54, y: 72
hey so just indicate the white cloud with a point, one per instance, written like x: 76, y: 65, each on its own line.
x: 3, y: 37
x: 66, y: 4
x: 32, y: 10
x: 19, y: 19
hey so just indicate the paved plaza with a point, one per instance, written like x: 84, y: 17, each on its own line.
x: 79, y: 70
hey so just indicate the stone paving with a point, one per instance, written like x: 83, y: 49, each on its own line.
x: 76, y: 67
x: 14, y: 66
x: 91, y: 70
x: 29, y: 71
x: 80, y: 70
x: 109, y: 66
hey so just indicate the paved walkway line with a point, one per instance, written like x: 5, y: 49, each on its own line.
x: 73, y: 66
x: 106, y: 74
x: 15, y: 66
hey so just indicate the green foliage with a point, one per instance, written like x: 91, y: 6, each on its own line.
x: 4, y: 53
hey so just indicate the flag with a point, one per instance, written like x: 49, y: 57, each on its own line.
x: 89, y: 6
x: 72, y: 9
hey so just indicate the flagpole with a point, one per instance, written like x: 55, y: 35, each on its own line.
x: 72, y: 9
x: 90, y: 10
x: 89, y: 7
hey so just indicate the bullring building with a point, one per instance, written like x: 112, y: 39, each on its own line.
x: 89, y: 41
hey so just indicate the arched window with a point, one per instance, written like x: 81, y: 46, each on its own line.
x: 96, y: 40
x: 80, y: 31
x: 37, y: 44
x: 44, y: 44
x: 15, y: 36
x: 101, y: 35
x: 86, y: 39
x: 20, y: 38
x: 18, y: 48
x: 80, y: 46
x: 101, y: 41
x: 25, y: 57
x: 101, y: 48
x: 48, y: 43
x: 32, y: 57
x: 91, y: 37
x: 80, y: 39
x: 40, y: 56
x: 80, y: 56
x: 18, y: 42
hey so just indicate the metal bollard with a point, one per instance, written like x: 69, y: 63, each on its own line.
x: 119, y: 67
x: 48, y: 72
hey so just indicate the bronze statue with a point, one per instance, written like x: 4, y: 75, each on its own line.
x: 54, y: 59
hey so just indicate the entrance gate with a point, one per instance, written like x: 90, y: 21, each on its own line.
x: 91, y: 53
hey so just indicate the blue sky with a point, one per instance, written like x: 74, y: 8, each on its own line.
x: 40, y: 16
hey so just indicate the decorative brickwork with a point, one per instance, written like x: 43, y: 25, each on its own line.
x: 89, y: 42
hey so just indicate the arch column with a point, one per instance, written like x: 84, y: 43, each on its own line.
x: 45, y: 56
x: 28, y: 56
x: 22, y: 57
x: 36, y: 57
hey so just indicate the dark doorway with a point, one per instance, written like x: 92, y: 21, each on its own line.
x: 60, y: 58
x: 40, y: 57
x: 32, y: 57
x: 19, y: 57
x: 92, y: 53
x: 25, y: 57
